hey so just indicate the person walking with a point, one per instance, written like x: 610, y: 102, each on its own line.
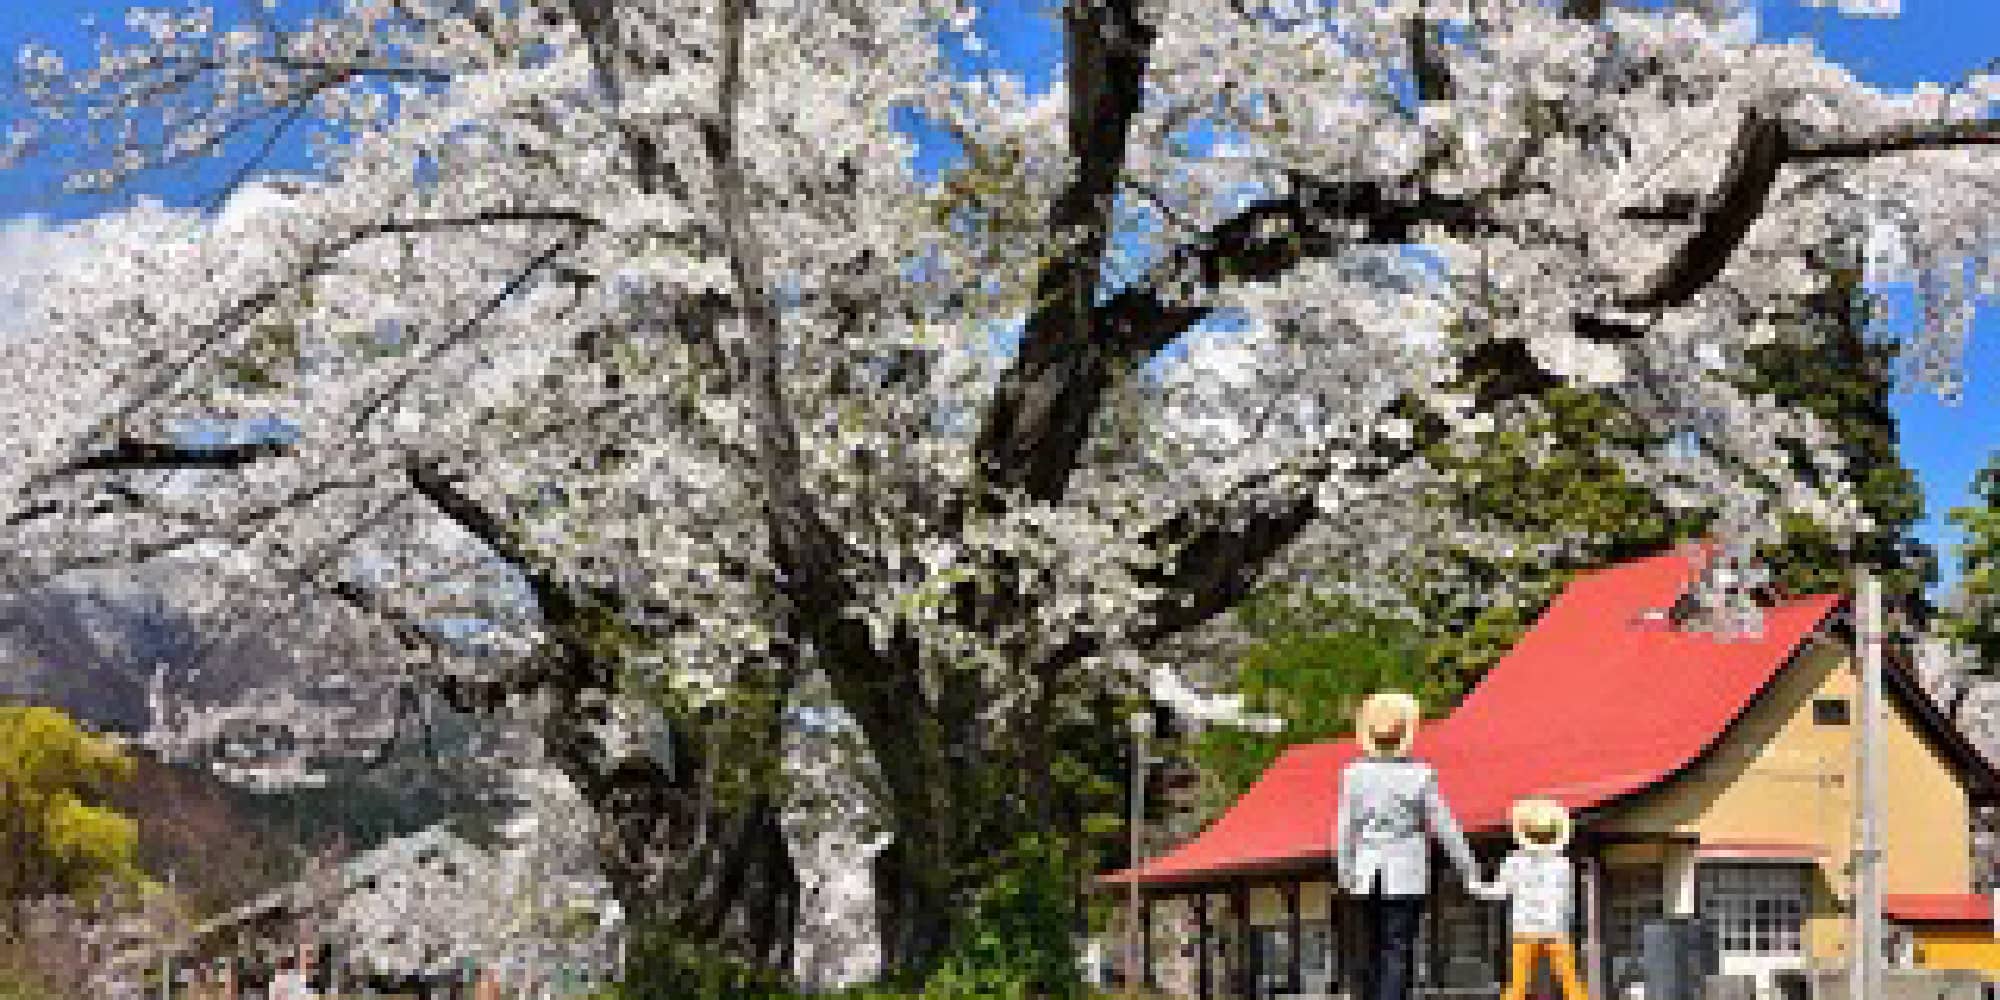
x: 1542, y: 884
x: 1389, y: 806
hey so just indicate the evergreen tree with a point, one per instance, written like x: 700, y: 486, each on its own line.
x: 1318, y: 659
x: 1829, y: 365
x: 1974, y: 619
x: 1545, y: 481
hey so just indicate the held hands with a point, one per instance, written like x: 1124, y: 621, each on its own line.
x: 1490, y: 891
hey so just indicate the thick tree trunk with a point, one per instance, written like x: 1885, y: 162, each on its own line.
x: 689, y: 859
x: 916, y: 876
x: 959, y: 804
x: 917, y: 904
x: 710, y: 869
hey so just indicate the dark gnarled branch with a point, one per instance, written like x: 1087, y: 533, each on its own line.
x: 132, y: 455
x: 1035, y: 424
x: 1951, y: 135
x: 810, y: 553
x: 1262, y: 243
x: 1761, y: 151
x: 1754, y: 163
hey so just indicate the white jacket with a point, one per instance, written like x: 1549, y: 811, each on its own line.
x: 1380, y: 843
x: 1542, y: 884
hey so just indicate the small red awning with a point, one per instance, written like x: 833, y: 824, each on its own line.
x: 1760, y: 850
x: 1938, y: 907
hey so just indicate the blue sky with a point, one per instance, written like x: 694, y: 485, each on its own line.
x: 1933, y: 39
x: 1938, y: 40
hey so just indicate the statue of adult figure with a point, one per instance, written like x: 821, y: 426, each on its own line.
x: 1389, y: 806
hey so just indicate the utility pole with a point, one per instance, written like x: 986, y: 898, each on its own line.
x: 167, y: 953
x: 1865, y: 960
x: 1142, y: 728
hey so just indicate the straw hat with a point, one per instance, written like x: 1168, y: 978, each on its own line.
x: 1380, y: 708
x: 1541, y: 814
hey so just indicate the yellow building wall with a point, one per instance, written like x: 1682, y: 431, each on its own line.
x: 1961, y: 947
x: 1781, y: 777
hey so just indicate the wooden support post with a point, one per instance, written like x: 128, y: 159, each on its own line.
x: 1246, y: 962
x: 1865, y: 951
x: 1430, y: 958
x: 1593, y: 922
x: 1295, y: 934
x: 1201, y: 946
x: 1146, y: 942
x: 1340, y: 973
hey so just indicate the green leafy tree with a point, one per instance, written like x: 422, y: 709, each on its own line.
x: 53, y: 839
x: 1544, y: 479
x: 1317, y: 660
x: 1974, y: 619
x: 1826, y: 363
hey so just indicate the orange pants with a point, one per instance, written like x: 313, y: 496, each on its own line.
x: 1528, y: 951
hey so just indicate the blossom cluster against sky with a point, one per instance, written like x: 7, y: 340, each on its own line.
x: 1938, y: 40
x: 1945, y: 441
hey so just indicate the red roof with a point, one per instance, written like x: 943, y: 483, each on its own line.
x: 1596, y: 702
x: 1938, y: 907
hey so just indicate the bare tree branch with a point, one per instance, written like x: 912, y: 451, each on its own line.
x: 1914, y: 139
x: 464, y: 330
x: 499, y: 537
x: 1754, y: 162
x: 130, y: 455
x: 235, y: 181
x: 1261, y: 243
x: 1050, y: 417
x: 1761, y: 150
x: 165, y: 374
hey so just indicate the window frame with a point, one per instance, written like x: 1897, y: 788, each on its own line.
x: 1825, y: 709
x: 1752, y: 907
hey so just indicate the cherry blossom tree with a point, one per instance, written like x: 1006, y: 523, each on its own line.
x: 645, y: 305
x: 431, y: 903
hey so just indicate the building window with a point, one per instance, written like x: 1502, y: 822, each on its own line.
x: 1633, y: 898
x: 1468, y: 940
x: 1831, y: 711
x: 1319, y: 958
x: 1756, y: 909
x: 1273, y: 960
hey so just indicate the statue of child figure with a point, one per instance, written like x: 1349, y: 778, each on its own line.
x: 1542, y: 884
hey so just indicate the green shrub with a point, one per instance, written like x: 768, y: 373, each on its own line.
x: 662, y: 966
x: 1013, y: 942
x: 1016, y: 940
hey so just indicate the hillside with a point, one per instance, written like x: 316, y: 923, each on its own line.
x: 95, y: 650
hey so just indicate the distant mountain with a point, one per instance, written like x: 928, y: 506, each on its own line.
x: 93, y: 645
x: 114, y: 653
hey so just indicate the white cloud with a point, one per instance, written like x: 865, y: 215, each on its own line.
x: 31, y: 248
x: 1860, y: 8
x: 26, y: 247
